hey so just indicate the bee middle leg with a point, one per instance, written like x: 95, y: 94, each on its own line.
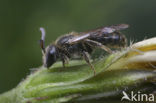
x: 87, y: 59
x: 98, y: 44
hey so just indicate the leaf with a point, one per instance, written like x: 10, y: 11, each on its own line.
x: 132, y: 69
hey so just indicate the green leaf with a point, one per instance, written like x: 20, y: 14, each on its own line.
x: 132, y: 69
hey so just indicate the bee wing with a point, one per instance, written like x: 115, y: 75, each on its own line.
x: 96, y: 32
x: 78, y: 38
x: 114, y: 28
x: 117, y: 27
x: 109, y: 29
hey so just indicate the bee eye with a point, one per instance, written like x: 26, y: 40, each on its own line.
x: 51, y: 56
x: 53, y: 50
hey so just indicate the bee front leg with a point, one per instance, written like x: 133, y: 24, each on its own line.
x: 87, y: 59
x: 63, y: 63
x: 65, y: 60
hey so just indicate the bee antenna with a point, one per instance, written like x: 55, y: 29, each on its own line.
x: 42, y: 40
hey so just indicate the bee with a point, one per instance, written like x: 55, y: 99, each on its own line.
x: 82, y: 44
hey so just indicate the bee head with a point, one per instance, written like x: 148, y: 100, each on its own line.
x: 50, y: 56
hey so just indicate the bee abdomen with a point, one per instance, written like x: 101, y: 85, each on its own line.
x: 111, y: 40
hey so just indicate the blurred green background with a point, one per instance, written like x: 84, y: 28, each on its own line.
x: 20, y: 21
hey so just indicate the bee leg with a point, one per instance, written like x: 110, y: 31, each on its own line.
x: 63, y: 63
x: 87, y: 59
x: 97, y: 44
x: 64, y: 60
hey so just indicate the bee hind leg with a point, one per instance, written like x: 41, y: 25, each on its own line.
x: 98, y: 44
x: 87, y: 59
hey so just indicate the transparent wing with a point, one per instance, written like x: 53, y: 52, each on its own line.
x: 96, y: 32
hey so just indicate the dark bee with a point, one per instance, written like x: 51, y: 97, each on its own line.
x: 82, y: 44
